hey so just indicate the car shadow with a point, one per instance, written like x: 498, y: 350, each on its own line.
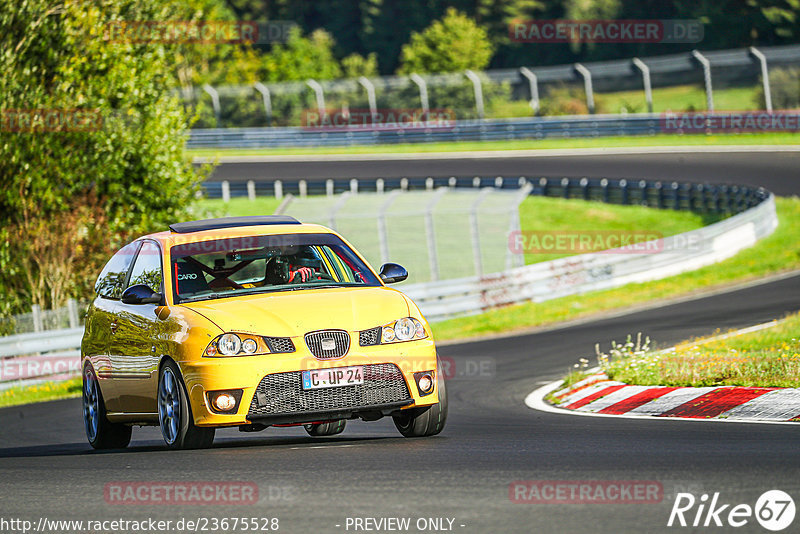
x: 143, y: 447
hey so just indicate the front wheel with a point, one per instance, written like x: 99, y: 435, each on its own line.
x: 101, y: 433
x: 331, y: 428
x: 427, y: 421
x: 175, y: 413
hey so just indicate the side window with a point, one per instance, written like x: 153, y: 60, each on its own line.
x: 111, y: 281
x: 147, y: 269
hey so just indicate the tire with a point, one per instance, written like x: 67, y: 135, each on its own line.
x: 330, y: 428
x: 101, y: 433
x: 175, y: 412
x: 427, y: 421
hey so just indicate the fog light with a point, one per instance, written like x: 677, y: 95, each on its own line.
x: 224, y: 402
x: 249, y: 345
x: 425, y: 383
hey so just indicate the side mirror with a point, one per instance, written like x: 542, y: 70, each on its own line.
x: 140, y: 294
x: 391, y: 273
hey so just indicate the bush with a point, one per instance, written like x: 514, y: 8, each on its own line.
x: 784, y: 88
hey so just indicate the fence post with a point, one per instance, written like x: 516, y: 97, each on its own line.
x: 36, y: 310
x: 498, y: 182
x: 404, y: 184
x: 251, y: 190
x: 329, y: 187
x: 373, y: 106
x: 516, y: 260
x: 478, y: 90
x: 476, y: 182
x: 267, y: 97
x: 72, y: 310
x: 623, y: 185
x: 214, y: 103
x: 278, y: 189
x: 226, y: 191
x: 706, y: 78
x: 477, y: 258
x: 533, y: 83
x: 379, y: 186
x: 587, y: 84
x: 452, y: 181
x: 354, y: 186
x: 604, y: 187
x: 428, y: 184
x: 423, y: 93
x: 383, y: 231
x: 303, y: 187
x: 336, y: 207
x: 430, y: 233
x: 648, y: 89
x: 643, y: 194
x: 764, y: 76
x: 315, y: 85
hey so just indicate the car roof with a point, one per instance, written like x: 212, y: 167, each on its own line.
x: 231, y: 222
x: 233, y: 227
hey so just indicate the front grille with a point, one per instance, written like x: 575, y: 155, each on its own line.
x: 369, y: 337
x: 282, y: 393
x: 328, y: 344
x: 279, y: 344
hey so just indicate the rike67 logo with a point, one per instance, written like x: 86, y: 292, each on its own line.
x: 774, y: 510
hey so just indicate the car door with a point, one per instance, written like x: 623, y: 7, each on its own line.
x: 135, y: 366
x: 102, y: 322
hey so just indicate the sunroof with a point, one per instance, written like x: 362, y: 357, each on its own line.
x: 230, y: 222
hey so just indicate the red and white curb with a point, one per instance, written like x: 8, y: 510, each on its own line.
x: 597, y: 395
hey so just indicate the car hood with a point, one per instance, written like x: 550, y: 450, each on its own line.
x: 293, y: 313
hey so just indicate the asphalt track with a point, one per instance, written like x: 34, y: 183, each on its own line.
x: 492, y: 438
x: 778, y: 172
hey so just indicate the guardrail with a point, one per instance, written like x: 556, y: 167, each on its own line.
x: 465, y: 130
x: 754, y: 217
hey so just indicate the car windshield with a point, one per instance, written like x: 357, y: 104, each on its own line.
x: 255, y: 264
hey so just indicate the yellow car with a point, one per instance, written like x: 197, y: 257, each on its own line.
x: 252, y: 322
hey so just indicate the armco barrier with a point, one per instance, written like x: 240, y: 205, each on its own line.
x: 754, y: 218
x: 467, y: 130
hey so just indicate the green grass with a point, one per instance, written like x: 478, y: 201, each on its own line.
x: 769, y: 139
x: 539, y: 214
x: 239, y: 206
x: 777, y: 253
x: 766, y: 358
x: 678, y: 98
x: 46, y: 391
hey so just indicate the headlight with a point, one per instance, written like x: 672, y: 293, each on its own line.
x: 229, y: 345
x: 405, y: 329
x: 237, y: 344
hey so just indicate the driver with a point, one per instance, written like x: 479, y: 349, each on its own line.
x: 282, y: 270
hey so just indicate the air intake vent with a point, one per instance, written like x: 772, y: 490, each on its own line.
x: 279, y: 344
x: 328, y: 344
x: 369, y: 337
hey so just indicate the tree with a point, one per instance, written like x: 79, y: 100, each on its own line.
x: 91, y: 143
x: 454, y: 43
x: 302, y: 58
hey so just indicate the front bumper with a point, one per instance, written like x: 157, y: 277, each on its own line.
x: 272, y: 394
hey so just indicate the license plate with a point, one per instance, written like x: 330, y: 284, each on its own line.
x: 331, y: 378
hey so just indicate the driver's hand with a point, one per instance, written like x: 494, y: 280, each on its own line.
x: 305, y: 274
